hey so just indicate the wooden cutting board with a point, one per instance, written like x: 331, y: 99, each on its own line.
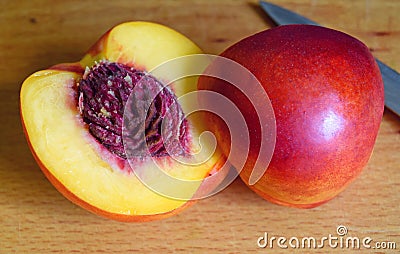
x: 35, y: 218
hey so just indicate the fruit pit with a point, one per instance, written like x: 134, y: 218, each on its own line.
x: 103, y: 94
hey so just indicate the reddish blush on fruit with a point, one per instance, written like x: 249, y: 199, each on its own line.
x: 327, y: 95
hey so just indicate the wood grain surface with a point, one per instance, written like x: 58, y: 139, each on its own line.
x: 35, y: 218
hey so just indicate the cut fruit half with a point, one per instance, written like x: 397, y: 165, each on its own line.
x: 74, y: 128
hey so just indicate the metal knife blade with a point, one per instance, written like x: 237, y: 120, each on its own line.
x: 391, y: 78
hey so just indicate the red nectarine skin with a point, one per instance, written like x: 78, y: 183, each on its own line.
x: 327, y: 94
x: 71, y: 67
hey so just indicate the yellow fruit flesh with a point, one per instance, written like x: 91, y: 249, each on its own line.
x: 62, y: 143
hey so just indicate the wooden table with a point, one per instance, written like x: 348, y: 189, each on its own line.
x: 35, y: 218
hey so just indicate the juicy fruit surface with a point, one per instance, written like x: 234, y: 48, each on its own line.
x: 65, y: 151
x: 75, y: 162
x: 327, y: 96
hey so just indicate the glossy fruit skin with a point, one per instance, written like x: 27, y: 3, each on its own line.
x: 327, y: 94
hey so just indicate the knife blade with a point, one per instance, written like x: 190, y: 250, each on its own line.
x: 391, y: 78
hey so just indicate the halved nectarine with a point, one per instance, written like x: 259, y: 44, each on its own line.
x: 73, y: 118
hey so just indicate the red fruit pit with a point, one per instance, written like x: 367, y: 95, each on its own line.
x: 103, y: 93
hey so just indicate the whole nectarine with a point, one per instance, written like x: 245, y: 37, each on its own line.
x: 327, y: 95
